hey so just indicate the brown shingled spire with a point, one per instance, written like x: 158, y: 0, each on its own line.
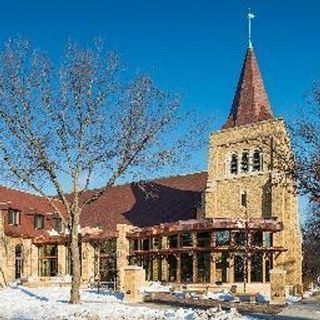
x: 250, y: 103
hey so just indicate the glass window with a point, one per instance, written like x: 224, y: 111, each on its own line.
x: 267, y: 239
x: 222, y: 237
x: 204, y: 239
x: 18, y: 261
x: 57, y: 224
x: 131, y: 246
x: 256, y: 268
x: 268, y: 266
x: 173, y: 241
x: 240, y: 238
x: 243, y: 199
x: 186, y: 239
x: 172, y: 266
x: 234, y: 164
x: 257, y: 239
x: 145, y: 244
x: 222, y: 265
x: 156, y: 243
x: 48, y: 261
x: 38, y: 221
x: 244, y: 166
x: 186, y: 267
x: 14, y: 217
x: 135, y: 244
x: 203, y: 267
x: 257, y: 161
x: 238, y: 268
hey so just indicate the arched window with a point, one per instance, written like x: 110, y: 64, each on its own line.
x: 234, y: 164
x: 257, y: 160
x: 244, y: 162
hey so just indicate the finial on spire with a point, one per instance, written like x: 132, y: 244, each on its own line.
x: 250, y: 16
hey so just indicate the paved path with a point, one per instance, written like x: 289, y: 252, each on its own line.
x: 304, y: 310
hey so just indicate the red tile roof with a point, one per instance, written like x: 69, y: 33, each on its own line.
x: 159, y: 201
x: 250, y: 102
x: 29, y: 205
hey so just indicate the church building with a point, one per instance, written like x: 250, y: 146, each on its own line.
x: 227, y: 228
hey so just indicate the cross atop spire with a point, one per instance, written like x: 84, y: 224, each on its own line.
x: 250, y: 16
x: 250, y: 103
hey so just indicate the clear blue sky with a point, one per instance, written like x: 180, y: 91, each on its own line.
x: 195, y: 47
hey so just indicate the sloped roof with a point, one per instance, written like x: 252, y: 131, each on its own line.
x: 153, y: 202
x: 159, y: 201
x: 250, y: 103
x: 28, y: 204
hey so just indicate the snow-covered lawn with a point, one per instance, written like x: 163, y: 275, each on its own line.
x: 52, y: 303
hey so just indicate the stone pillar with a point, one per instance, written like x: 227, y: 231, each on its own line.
x: 34, y: 261
x: 194, y: 268
x: 134, y: 280
x: 27, y: 259
x: 248, y: 270
x: 61, y: 260
x: 164, y: 262
x: 164, y: 269
x: 178, y: 267
x: 122, y: 252
x: 231, y: 269
x: 87, y: 262
x: 212, y: 268
x: 278, y: 286
x: 164, y: 242
x: 263, y: 268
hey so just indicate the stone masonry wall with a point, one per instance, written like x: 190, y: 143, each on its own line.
x: 268, y: 193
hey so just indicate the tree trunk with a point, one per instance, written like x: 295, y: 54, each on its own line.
x: 75, y: 259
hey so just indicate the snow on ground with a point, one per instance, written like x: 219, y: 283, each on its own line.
x: 293, y: 299
x: 156, y: 287
x: 21, y: 303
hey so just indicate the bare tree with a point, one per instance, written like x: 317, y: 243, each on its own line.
x: 311, y: 243
x: 85, y: 121
x: 307, y: 142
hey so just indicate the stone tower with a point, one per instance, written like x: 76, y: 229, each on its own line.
x: 246, y: 170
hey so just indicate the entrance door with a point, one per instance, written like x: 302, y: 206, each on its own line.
x: 18, y: 261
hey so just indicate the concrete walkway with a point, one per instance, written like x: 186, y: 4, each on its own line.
x: 304, y: 310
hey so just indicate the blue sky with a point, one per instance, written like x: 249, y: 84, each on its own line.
x: 196, y: 47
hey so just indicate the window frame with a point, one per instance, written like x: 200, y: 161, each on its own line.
x: 39, y: 217
x: 48, y: 260
x: 254, y: 167
x: 57, y: 224
x: 245, y: 162
x: 234, y: 164
x: 16, y: 220
x: 227, y: 241
x: 243, y: 199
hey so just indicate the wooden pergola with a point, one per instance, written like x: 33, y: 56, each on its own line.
x: 153, y: 243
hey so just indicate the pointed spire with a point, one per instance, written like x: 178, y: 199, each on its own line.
x: 250, y: 103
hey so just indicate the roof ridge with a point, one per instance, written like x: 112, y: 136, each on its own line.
x: 148, y: 180
x: 28, y: 193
